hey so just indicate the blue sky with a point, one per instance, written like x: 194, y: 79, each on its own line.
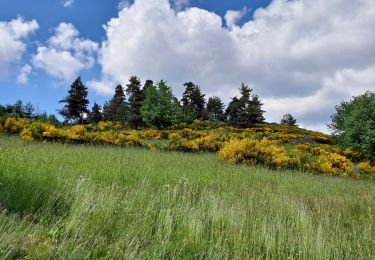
x: 295, y: 54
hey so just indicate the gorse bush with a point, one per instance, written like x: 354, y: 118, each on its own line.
x: 273, y: 146
x: 251, y: 151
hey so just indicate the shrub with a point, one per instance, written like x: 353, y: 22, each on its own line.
x: 151, y: 134
x: 250, y: 151
x: 333, y: 164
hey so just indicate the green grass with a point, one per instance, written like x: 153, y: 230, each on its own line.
x: 86, y: 202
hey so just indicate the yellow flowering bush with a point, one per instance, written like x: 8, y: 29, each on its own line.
x: 14, y: 126
x: 151, y: 134
x: 251, y: 151
x: 367, y: 169
x: 26, y: 135
x: 333, y: 164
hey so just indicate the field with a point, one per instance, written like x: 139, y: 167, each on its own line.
x: 69, y: 201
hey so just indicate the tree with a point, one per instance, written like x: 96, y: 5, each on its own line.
x: 215, y: 108
x: 76, y: 102
x: 123, y: 113
x: 95, y: 115
x: 2, y: 111
x: 160, y: 108
x: 353, y: 124
x: 111, y: 108
x: 29, y: 111
x: 136, y: 97
x: 245, y: 111
x: 289, y: 120
x: 193, y: 101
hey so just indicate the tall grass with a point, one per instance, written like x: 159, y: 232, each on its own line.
x: 84, y: 202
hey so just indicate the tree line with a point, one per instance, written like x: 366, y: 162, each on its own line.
x: 28, y: 111
x: 155, y: 105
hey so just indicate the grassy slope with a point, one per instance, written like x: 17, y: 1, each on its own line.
x: 81, y: 202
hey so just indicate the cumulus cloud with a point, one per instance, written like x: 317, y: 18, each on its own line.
x: 301, y: 57
x: 12, y: 43
x: 23, y: 76
x: 68, y: 3
x: 65, y: 54
x: 232, y: 17
x: 123, y: 4
x: 180, y: 4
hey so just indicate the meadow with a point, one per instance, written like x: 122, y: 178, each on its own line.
x: 81, y: 201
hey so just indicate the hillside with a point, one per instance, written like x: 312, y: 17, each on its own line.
x: 76, y: 201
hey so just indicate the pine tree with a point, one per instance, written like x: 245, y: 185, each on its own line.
x: 288, y: 119
x: 76, y: 102
x: 95, y: 115
x: 215, y: 108
x: 18, y: 109
x: 29, y: 111
x: 245, y: 111
x: 111, y: 108
x: 136, y: 97
x: 193, y: 101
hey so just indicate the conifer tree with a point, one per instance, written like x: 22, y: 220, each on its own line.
x: 245, y: 111
x: 193, y: 101
x: 95, y: 115
x: 76, y: 102
x: 215, y: 109
x: 288, y: 119
x: 29, y: 111
x: 111, y: 108
x: 136, y: 97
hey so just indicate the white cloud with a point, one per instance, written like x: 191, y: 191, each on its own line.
x: 23, y: 76
x: 103, y: 87
x: 65, y: 54
x: 232, y: 17
x: 301, y: 57
x: 68, y: 3
x: 123, y: 4
x: 12, y: 43
x: 180, y: 4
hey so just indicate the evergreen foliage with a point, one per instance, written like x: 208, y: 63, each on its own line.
x: 193, y: 101
x: 75, y: 103
x: 110, y: 109
x: 136, y: 97
x: 245, y: 111
x: 215, y: 109
x: 288, y: 119
x: 95, y: 115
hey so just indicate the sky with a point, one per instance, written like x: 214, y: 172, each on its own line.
x: 300, y: 56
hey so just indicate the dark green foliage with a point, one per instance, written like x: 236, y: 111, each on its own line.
x: 215, y: 109
x: 136, y: 97
x: 160, y: 108
x: 76, y: 102
x: 2, y: 111
x: 29, y: 111
x: 288, y: 119
x: 245, y: 111
x: 193, y: 101
x: 45, y: 118
x: 353, y: 124
x: 95, y: 115
x: 111, y: 108
x: 18, y: 109
x: 123, y: 113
